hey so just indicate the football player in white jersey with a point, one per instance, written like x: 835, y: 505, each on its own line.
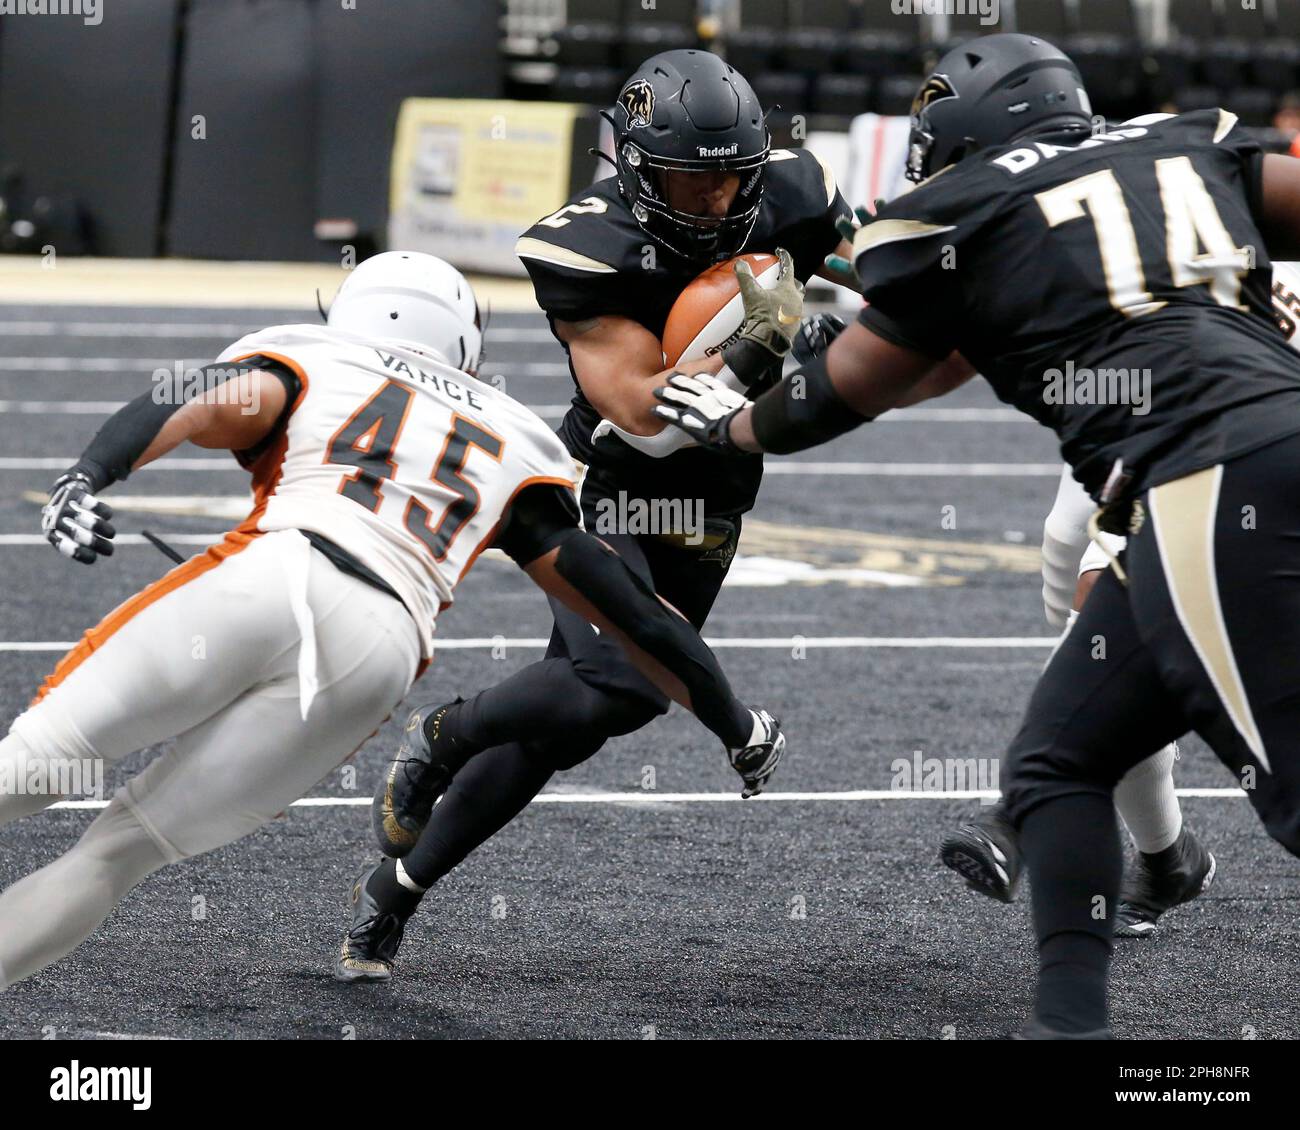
x: 1173, y: 867
x: 381, y: 469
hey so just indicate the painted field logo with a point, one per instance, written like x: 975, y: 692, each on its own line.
x: 921, y: 774
x: 75, y: 1083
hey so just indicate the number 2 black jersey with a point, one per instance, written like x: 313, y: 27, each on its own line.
x: 1117, y: 290
x: 592, y: 259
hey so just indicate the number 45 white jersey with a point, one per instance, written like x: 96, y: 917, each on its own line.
x: 401, y: 460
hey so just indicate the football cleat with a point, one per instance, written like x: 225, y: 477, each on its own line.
x: 413, y: 783
x: 757, y: 761
x: 985, y: 854
x: 370, y: 945
x: 1161, y: 882
x: 1035, y: 1029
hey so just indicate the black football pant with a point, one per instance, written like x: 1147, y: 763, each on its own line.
x: 1204, y: 637
x: 556, y: 713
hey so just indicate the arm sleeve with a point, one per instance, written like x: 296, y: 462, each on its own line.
x: 127, y: 434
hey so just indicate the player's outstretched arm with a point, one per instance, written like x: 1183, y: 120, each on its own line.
x: 860, y: 377
x: 589, y: 577
x: 235, y: 414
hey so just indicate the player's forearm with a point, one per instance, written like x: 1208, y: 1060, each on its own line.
x: 630, y: 403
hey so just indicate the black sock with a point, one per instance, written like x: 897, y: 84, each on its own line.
x: 1071, y: 848
x: 444, y: 730
x: 387, y: 891
x: 493, y: 788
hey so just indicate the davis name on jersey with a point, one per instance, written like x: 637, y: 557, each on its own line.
x: 403, y: 461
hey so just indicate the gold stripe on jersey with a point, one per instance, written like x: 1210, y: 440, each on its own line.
x: 1227, y: 121
x: 828, y: 178
x: 530, y: 248
x: 1183, y: 515
x: 883, y: 232
x: 782, y: 155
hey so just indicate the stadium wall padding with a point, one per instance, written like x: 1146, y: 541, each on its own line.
x: 246, y: 190
x: 84, y: 110
x: 373, y: 57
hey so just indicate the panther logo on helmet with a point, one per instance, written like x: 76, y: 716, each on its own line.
x: 936, y: 88
x: 638, y: 102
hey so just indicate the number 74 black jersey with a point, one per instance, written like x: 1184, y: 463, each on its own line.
x: 1116, y: 288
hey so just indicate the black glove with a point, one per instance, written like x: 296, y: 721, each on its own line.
x: 702, y: 406
x: 757, y: 761
x: 815, y: 336
x: 75, y: 522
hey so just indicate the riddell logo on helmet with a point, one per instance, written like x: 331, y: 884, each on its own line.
x: 720, y: 150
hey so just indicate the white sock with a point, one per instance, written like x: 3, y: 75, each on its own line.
x: 1146, y: 800
x: 52, y: 911
x: 407, y: 882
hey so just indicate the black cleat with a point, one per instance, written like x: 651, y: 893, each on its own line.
x: 1161, y: 882
x: 413, y: 783
x: 985, y: 854
x: 757, y: 761
x: 1035, y: 1029
x: 370, y: 945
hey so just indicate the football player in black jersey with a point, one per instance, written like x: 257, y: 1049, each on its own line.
x: 697, y: 182
x: 1114, y: 285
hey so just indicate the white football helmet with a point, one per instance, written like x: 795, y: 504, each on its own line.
x: 414, y: 298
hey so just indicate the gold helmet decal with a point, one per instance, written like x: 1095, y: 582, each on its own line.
x: 936, y: 88
x: 638, y: 100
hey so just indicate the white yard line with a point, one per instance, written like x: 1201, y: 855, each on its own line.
x: 776, y: 643
x: 653, y: 798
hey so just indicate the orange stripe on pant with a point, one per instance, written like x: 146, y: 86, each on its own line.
x: 266, y: 477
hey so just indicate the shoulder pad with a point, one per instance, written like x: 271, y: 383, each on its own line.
x: 807, y: 174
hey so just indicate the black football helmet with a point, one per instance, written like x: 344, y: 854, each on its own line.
x: 689, y: 112
x: 991, y: 91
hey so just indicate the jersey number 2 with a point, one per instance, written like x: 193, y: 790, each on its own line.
x: 1192, y: 221
x: 367, y: 442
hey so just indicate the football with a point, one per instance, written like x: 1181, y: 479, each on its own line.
x: 706, y: 316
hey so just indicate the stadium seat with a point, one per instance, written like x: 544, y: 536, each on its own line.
x: 835, y: 15
x: 845, y: 95
x: 640, y: 41
x: 591, y: 11
x: 664, y: 11
x: 1109, y: 18
x: 773, y: 15
x: 753, y: 51
x: 1197, y: 98
x: 1276, y: 61
x: 596, y: 86
x: 1048, y: 18
x: 813, y: 49
x: 1228, y: 59
x: 586, y: 45
x: 1109, y: 54
x: 881, y: 53
x: 787, y: 91
x: 894, y: 95
x: 1253, y: 105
